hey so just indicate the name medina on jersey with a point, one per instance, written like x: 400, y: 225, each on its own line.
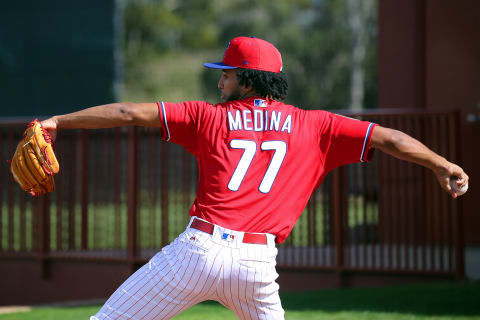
x: 260, y: 120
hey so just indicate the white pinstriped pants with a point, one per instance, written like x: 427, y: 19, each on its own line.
x: 196, y: 267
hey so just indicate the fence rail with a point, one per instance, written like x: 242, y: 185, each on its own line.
x: 123, y: 193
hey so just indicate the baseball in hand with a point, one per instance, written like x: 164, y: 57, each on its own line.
x: 459, y: 191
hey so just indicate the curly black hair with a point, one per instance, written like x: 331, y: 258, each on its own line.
x: 266, y: 84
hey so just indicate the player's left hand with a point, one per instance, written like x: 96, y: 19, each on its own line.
x: 446, y: 172
x: 51, y: 126
x: 34, y: 162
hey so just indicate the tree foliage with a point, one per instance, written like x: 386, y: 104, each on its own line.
x: 314, y: 37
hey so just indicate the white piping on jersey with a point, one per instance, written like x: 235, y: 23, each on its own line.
x: 367, y: 135
x: 165, y: 121
x: 341, y: 115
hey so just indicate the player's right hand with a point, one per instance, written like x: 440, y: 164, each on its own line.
x: 51, y: 126
x: 446, y: 172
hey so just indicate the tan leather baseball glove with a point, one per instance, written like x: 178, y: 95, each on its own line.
x: 34, y: 163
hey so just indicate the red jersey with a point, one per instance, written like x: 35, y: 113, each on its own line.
x: 259, y: 159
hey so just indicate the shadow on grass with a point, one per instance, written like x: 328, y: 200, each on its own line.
x: 440, y: 299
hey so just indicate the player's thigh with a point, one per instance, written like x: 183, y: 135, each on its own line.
x: 253, y: 286
x: 160, y: 289
x: 261, y: 299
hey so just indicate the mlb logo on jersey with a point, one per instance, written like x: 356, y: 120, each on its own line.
x: 260, y: 103
x: 228, y: 237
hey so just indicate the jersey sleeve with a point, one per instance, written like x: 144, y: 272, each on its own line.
x: 344, y: 140
x: 180, y: 123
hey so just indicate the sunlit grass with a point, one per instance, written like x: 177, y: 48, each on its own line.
x: 437, y: 301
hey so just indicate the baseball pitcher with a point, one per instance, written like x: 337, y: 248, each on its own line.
x: 259, y: 161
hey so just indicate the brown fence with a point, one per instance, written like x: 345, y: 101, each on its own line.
x: 122, y: 194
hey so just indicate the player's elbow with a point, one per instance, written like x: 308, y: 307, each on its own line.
x: 127, y: 112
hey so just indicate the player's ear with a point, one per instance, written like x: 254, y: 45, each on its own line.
x: 245, y: 88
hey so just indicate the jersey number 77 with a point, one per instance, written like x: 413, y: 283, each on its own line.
x: 250, y: 148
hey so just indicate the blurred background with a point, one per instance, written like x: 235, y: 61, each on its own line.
x: 326, y: 46
x: 69, y: 55
x: 407, y: 64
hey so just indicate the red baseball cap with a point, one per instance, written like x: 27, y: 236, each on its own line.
x: 249, y: 53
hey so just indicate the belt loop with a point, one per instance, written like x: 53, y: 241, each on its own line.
x: 270, y: 240
x: 191, y: 221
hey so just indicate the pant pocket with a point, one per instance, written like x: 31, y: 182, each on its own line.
x: 258, y: 256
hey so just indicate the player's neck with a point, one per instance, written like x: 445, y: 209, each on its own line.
x: 249, y: 94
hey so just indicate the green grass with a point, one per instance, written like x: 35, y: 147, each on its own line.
x: 447, y: 300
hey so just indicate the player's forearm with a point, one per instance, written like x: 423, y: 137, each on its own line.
x: 104, y: 116
x: 402, y: 146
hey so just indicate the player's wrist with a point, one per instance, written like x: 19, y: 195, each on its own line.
x: 441, y: 165
x: 56, y: 122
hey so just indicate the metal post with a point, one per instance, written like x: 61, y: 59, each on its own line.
x: 116, y: 189
x: 132, y: 197
x: 10, y: 199
x: 337, y: 198
x: 3, y: 182
x: 164, y: 193
x: 44, y: 234
x: 84, y: 195
x: 457, y: 205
